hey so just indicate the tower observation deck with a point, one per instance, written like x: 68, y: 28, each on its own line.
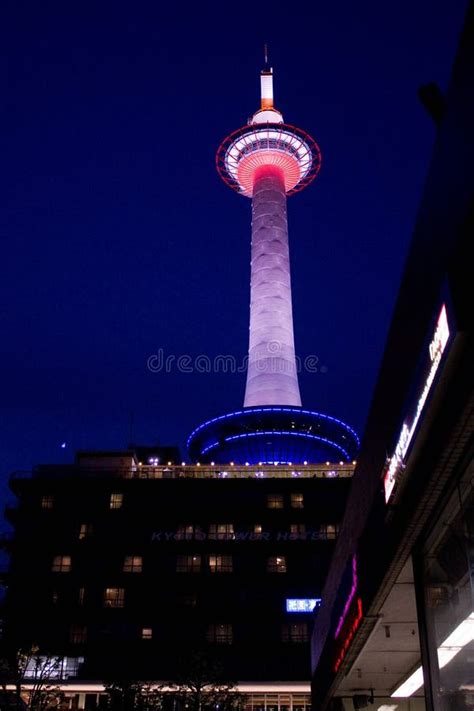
x: 266, y: 161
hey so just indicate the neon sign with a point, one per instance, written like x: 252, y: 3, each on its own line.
x: 349, y: 620
x: 350, y: 628
x: 436, y: 350
x: 302, y: 604
x: 349, y: 599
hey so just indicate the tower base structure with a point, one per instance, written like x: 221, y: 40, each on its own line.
x: 273, y: 435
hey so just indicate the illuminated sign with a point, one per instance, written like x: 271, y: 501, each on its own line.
x: 349, y: 599
x: 436, y: 350
x: 349, y: 620
x: 302, y: 604
x: 349, y: 629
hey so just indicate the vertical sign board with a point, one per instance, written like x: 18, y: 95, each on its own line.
x: 350, y: 618
x: 436, y: 350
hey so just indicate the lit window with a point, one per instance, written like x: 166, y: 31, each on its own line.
x: 297, y: 501
x: 114, y: 597
x: 47, y: 502
x: 275, y: 501
x: 147, y: 633
x: 186, y: 533
x: 258, y: 528
x: 85, y: 531
x: 220, y: 634
x: 276, y: 564
x: 221, y: 532
x: 188, y: 564
x: 298, y: 529
x: 78, y: 634
x: 81, y: 596
x: 61, y: 564
x: 133, y: 564
x: 220, y: 563
x: 328, y: 530
x: 116, y: 501
x: 297, y: 632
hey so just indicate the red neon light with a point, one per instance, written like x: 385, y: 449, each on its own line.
x: 349, y: 599
x: 249, y: 165
x: 350, y: 635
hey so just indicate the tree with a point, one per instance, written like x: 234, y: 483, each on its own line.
x: 132, y: 695
x: 32, y: 677
x: 202, y: 686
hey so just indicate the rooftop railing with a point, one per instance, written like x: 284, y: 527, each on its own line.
x: 100, y: 469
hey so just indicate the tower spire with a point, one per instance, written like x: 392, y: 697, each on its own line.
x: 266, y: 84
x: 266, y: 89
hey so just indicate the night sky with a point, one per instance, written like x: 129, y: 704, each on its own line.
x: 119, y: 239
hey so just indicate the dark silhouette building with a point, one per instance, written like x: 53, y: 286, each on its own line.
x: 124, y: 565
x: 397, y: 626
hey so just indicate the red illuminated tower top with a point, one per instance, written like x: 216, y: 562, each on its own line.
x: 267, y: 140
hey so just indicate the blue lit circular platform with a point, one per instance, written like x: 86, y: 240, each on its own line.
x: 271, y: 435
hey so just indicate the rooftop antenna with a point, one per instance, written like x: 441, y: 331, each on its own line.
x: 265, y: 54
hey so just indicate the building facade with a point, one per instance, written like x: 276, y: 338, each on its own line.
x: 397, y: 626
x: 125, y: 566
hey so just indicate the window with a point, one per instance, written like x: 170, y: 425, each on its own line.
x: 85, y: 531
x: 297, y: 632
x: 78, y: 634
x: 114, y: 597
x: 297, y: 501
x: 133, y: 564
x: 81, y: 596
x: 147, y: 633
x: 188, y: 564
x: 47, y: 502
x: 328, y: 530
x: 185, y: 533
x: 276, y: 564
x: 46, y: 667
x: 221, y: 532
x: 258, y: 528
x: 275, y: 501
x: 220, y: 563
x: 298, y: 529
x: 61, y: 564
x: 116, y: 501
x: 220, y: 634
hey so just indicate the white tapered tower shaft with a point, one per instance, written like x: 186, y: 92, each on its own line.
x: 272, y: 377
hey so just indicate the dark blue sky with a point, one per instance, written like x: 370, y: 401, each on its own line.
x: 119, y: 239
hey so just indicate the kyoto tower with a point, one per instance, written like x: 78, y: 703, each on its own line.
x: 266, y: 161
